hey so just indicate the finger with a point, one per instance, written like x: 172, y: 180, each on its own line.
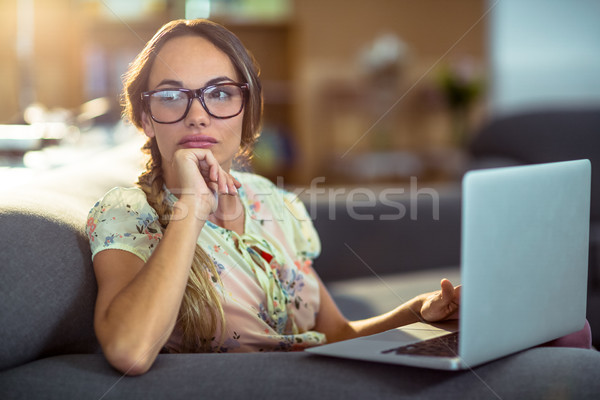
x: 214, y: 166
x: 230, y: 188
x: 206, y: 171
x: 231, y: 184
x: 447, y: 291
x: 213, y: 192
x: 457, y: 291
x: 208, y: 165
x: 237, y: 183
x: 454, y: 315
x: 207, y: 168
x: 223, y: 182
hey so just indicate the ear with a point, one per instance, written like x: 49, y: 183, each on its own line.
x: 147, y: 125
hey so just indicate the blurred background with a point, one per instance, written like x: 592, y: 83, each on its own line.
x: 370, y: 95
x: 356, y: 92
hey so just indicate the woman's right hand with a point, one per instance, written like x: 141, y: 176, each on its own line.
x: 138, y: 302
x: 201, y: 179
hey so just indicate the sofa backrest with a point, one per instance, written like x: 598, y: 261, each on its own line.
x: 393, y: 233
x: 545, y: 136
x: 47, y: 284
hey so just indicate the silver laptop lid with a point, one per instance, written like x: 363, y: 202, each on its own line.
x: 524, y: 257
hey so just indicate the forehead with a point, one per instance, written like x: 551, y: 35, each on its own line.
x: 191, y: 60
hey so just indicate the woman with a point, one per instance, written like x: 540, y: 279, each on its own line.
x: 201, y: 257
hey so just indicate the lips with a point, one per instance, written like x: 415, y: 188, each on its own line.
x: 197, y: 141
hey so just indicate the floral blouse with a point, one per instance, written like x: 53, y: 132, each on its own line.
x: 270, y: 293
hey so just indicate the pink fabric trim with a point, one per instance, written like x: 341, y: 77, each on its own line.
x: 581, y: 339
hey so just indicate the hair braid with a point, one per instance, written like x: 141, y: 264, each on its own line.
x: 201, y: 311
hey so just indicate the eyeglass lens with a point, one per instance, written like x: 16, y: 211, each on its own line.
x: 220, y: 101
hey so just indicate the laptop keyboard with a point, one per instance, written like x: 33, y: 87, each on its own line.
x: 442, y: 346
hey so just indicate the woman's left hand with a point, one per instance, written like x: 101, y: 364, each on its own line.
x: 442, y: 304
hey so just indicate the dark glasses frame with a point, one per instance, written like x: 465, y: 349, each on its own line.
x: 196, y: 94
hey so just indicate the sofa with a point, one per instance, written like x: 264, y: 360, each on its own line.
x: 48, y: 289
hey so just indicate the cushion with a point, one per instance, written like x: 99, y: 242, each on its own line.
x: 540, y: 373
x: 391, y: 233
x: 544, y: 136
x: 48, y: 288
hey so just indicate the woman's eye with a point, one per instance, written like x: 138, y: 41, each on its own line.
x: 167, y: 97
x: 219, y: 94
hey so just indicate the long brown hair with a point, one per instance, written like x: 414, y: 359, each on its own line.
x: 201, y: 311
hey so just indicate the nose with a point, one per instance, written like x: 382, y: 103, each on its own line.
x: 197, y: 116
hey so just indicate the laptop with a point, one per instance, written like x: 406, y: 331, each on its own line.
x: 524, y: 263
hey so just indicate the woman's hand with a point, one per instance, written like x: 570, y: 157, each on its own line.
x: 442, y: 304
x: 434, y: 306
x: 200, y: 176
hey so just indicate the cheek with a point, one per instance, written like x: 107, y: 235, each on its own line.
x: 233, y: 128
x: 147, y: 125
x: 165, y: 138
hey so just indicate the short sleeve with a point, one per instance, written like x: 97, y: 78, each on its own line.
x: 306, y: 238
x: 124, y: 220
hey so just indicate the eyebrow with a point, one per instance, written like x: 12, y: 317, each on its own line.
x: 175, y: 83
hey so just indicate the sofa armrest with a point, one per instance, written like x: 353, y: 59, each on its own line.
x: 48, y: 288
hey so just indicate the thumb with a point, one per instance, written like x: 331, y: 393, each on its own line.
x: 447, y: 291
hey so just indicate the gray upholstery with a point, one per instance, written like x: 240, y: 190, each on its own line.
x: 428, y: 235
x: 47, y: 293
x: 47, y: 287
x: 543, y: 373
x: 544, y: 136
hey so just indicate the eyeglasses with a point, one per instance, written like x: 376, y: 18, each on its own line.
x: 223, y: 100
